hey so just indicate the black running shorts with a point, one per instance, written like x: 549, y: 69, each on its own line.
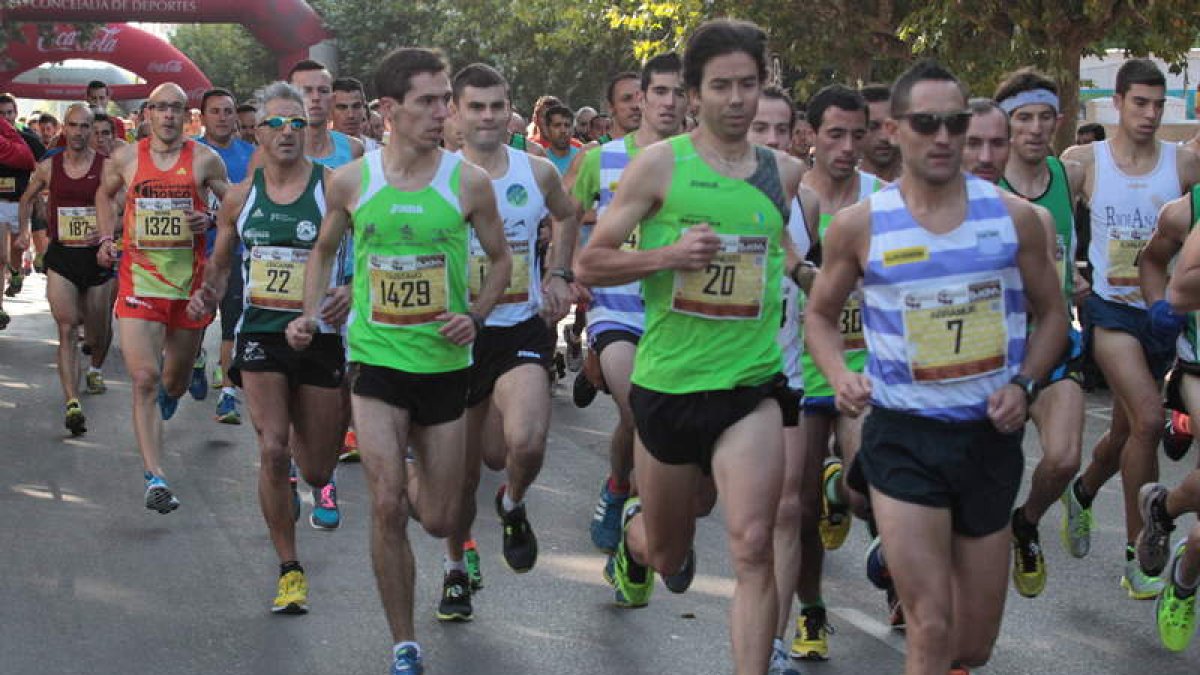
x: 429, y: 398
x: 499, y: 350
x: 323, y: 364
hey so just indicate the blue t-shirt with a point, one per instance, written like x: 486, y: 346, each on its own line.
x: 237, y: 159
x: 562, y: 163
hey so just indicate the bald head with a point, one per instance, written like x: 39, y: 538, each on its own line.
x: 168, y: 91
x: 167, y: 111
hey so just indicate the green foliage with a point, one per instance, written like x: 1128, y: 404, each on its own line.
x: 228, y: 54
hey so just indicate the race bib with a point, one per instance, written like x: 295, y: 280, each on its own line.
x: 518, y: 286
x: 407, y: 290
x: 277, y: 278
x: 1060, y: 259
x: 851, y: 325
x: 160, y: 223
x: 631, y: 242
x: 730, y: 287
x: 77, y: 226
x: 1124, y: 250
x: 955, y: 332
x: 8, y: 186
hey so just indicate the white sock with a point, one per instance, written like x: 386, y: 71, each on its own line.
x: 401, y: 645
x: 229, y: 390
x: 93, y: 369
x: 449, y: 565
x: 508, y: 503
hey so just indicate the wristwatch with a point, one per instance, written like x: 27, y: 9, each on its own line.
x: 1027, y: 385
x: 563, y: 273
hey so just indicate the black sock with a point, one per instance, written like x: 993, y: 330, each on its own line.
x: 1085, y: 500
x: 1021, y: 524
x: 1130, y: 552
x: 290, y: 566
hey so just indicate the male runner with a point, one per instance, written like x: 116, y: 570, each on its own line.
x: 291, y: 394
x: 350, y: 111
x: 1030, y: 100
x: 508, y: 393
x: 166, y: 177
x: 616, y: 316
x: 947, y: 263
x: 710, y: 211
x: 219, y: 112
x: 412, y: 206
x: 624, y: 106
x: 839, y: 118
x: 98, y: 97
x: 104, y: 139
x: 583, y: 124
x: 1128, y: 179
x: 559, y: 147
x: 880, y: 157
x: 15, y: 167
x: 1089, y: 133
x: 246, y: 123
x: 79, y: 291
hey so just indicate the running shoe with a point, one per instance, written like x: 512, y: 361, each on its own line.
x: 1176, y: 615
x: 606, y: 519
x: 877, y: 570
x: 634, y: 583
x: 959, y: 670
x: 198, y: 387
x: 812, y: 635
x: 75, y: 422
x: 781, y: 664
x: 574, y: 348
x: 1141, y: 586
x: 520, y: 544
x: 4, y: 319
x: 560, y: 367
x: 583, y: 392
x: 455, y: 604
x: 227, y: 409
x: 166, y: 404
x: 292, y: 594
x: 682, y: 580
x: 349, y: 448
x: 834, y: 525
x: 39, y: 263
x: 15, y: 282
x: 218, y: 374
x: 325, y: 515
x: 1153, y: 542
x: 895, y: 609
x: 1177, y: 435
x: 407, y: 662
x: 1077, y: 523
x: 474, y: 571
x: 1029, y: 564
x: 95, y: 383
x: 158, y: 495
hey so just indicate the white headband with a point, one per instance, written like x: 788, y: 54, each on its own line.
x: 1030, y: 97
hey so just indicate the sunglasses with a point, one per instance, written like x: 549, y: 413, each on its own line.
x: 956, y: 123
x: 278, y: 121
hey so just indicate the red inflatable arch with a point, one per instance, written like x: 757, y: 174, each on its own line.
x: 131, y: 48
x: 286, y: 27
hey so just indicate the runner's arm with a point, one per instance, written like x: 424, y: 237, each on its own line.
x: 1189, y: 168
x: 1169, y: 235
x: 340, y: 193
x: 112, y: 180
x: 1045, y: 346
x: 841, y: 268
x: 1183, y: 290
x: 14, y: 152
x: 216, y: 270
x: 39, y: 180
x: 480, y: 209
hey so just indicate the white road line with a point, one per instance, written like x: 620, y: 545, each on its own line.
x: 876, y: 629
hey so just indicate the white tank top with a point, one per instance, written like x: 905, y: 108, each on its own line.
x: 522, y: 206
x: 1124, y: 215
x: 791, y: 333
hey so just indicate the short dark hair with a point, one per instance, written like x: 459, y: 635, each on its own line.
x: 777, y: 93
x: 96, y: 84
x: 215, y: 92
x: 619, y: 77
x: 876, y: 93
x: 7, y: 98
x: 1022, y: 80
x: 47, y: 117
x: 663, y: 63
x: 246, y: 107
x: 1139, y: 71
x: 835, y: 96
x: 349, y: 84
x: 925, y: 69
x: 982, y: 106
x: 719, y: 37
x: 478, y: 75
x: 102, y: 117
x: 304, y: 65
x: 393, y: 77
x: 559, y: 111
x: 1094, y: 128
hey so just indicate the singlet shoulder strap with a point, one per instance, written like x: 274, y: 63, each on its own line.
x: 446, y: 178
x: 766, y: 178
x: 373, y: 178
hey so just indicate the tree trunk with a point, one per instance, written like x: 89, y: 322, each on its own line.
x: 1068, y: 95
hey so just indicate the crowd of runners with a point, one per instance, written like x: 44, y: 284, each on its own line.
x: 841, y: 311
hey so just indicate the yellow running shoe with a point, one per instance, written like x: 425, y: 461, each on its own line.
x: 1028, y: 563
x: 292, y: 597
x: 834, y: 525
x: 812, y: 635
x: 75, y: 422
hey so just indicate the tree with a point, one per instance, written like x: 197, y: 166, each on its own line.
x: 228, y: 54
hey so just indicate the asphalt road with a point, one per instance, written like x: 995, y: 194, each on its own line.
x: 93, y: 583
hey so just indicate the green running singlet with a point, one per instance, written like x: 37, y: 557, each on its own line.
x: 1057, y: 200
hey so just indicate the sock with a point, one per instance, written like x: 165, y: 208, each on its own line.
x: 1085, y: 500
x: 289, y: 566
x: 1021, y: 523
x: 830, y: 487
x: 1130, y: 552
x: 777, y: 647
x: 401, y: 646
x: 449, y: 565
x: 508, y: 504
x: 617, y: 489
x: 819, y: 604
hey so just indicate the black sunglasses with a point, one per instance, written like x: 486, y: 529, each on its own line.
x: 928, y: 123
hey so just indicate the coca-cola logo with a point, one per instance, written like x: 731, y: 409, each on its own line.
x: 172, y: 66
x: 103, y: 41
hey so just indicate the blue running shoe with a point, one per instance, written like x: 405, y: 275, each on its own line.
x: 877, y: 569
x: 606, y: 520
x: 227, y: 409
x: 166, y: 405
x: 325, y: 514
x: 199, y: 385
x: 408, y: 662
x: 158, y: 495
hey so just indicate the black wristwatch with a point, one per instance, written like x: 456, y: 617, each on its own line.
x: 1027, y: 385
x: 563, y: 273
